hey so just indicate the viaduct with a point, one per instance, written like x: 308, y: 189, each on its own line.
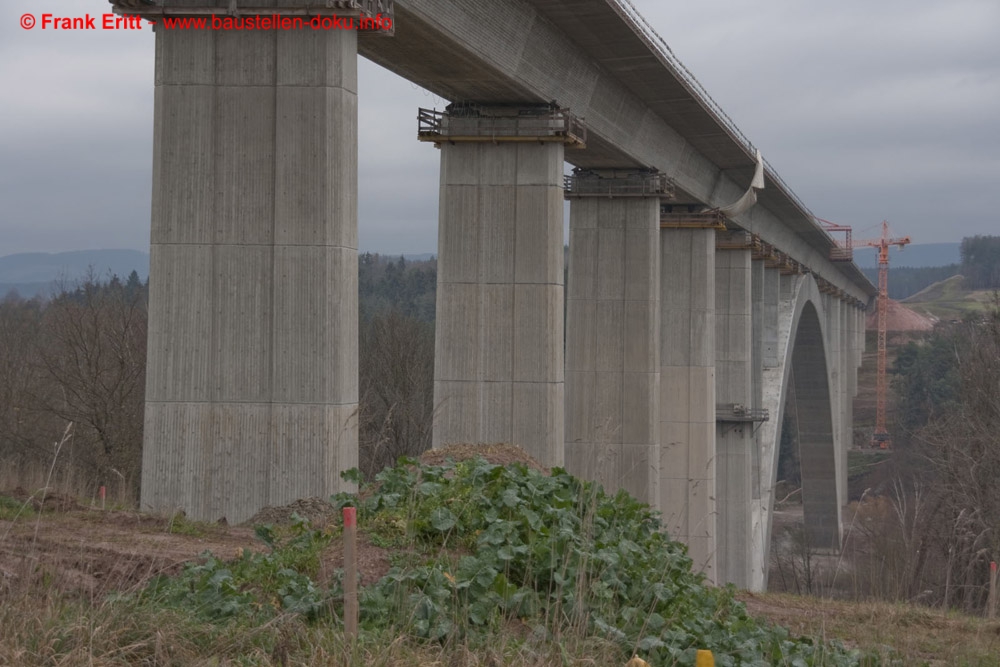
x: 692, y: 320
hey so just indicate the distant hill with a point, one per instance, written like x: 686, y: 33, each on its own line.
x: 35, y: 273
x: 949, y: 300
x: 918, y: 255
x: 905, y: 281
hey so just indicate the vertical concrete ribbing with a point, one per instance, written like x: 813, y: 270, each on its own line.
x: 498, y: 368
x: 760, y: 313
x: 613, y: 345
x: 757, y: 369
x: 778, y: 315
x: 251, y: 392
x: 771, y: 298
x: 687, y: 392
x: 846, y: 356
x: 734, y: 366
x: 831, y: 307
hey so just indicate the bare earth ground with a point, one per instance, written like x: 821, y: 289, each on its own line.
x: 88, y: 552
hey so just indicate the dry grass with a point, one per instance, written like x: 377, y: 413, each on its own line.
x: 49, y: 630
x: 58, y: 605
x: 921, y: 636
x: 48, y: 617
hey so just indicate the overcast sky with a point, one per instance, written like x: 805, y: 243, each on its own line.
x: 868, y: 110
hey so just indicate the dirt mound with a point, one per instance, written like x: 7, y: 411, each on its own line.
x: 899, y: 318
x: 318, y: 511
x: 374, y: 562
x: 497, y: 454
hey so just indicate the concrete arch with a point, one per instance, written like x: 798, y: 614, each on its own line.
x: 806, y: 362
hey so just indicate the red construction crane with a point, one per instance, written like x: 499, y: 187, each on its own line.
x: 881, y: 439
x: 844, y: 252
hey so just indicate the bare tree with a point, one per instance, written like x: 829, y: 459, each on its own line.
x: 396, y: 389
x: 93, y: 352
x: 23, y: 426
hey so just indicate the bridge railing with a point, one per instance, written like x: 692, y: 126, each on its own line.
x: 376, y: 7
x: 659, y: 46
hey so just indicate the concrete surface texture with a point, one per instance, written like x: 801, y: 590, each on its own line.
x: 687, y: 392
x: 251, y: 393
x: 613, y: 344
x: 498, y: 366
x: 831, y: 310
x: 761, y: 312
x: 734, y: 384
x: 780, y: 297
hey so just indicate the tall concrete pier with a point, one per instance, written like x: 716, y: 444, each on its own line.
x: 499, y: 364
x: 251, y: 394
x: 613, y: 331
x: 687, y: 391
x: 734, y: 396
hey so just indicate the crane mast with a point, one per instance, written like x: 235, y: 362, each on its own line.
x: 845, y: 252
x: 881, y: 438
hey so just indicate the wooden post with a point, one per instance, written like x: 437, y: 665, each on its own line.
x: 947, y: 580
x: 991, y: 604
x: 350, y: 572
x: 102, y: 493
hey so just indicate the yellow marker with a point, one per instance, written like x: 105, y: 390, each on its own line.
x: 704, y: 659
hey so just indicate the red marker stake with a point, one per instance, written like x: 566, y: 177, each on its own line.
x: 350, y: 572
x: 102, y: 493
x: 992, y: 604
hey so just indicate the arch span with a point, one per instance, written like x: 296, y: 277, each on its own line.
x: 806, y: 361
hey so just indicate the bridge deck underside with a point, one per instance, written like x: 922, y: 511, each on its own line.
x: 512, y: 51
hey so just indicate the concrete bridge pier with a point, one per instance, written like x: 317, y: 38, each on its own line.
x: 831, y: 309
x: 847, y: 377
x: 734, y: 393
x: 856, y: 345
x: 772, y: 381
x: 498, y: 366
x: 613, y: 332
x: 687, y: 391
x: 251, y: 394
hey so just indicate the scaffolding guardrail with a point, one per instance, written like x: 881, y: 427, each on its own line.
x: 587, y: 183
x: 469, y: 124
x: 738, y: 413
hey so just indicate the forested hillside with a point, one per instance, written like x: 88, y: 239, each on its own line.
x: 906, y: 281
x: 981, y: 262
x: 80, y: 358
x: 980, y: 265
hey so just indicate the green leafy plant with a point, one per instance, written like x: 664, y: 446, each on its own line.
x: 561, y: 555
x: 255, y: 586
